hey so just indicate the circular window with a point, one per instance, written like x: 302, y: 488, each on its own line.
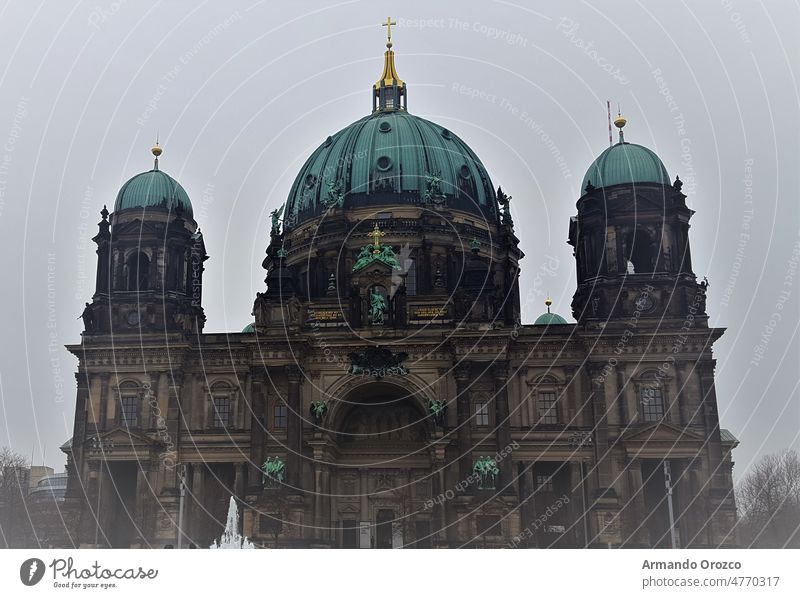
x: 385, y: 126
x: 311, y: 180
x: 464, y: 172
x: 328, y: 141
x: 446, y: 134
x: 384, y: 163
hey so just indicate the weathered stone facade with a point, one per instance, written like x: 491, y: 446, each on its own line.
x: 388, y: 371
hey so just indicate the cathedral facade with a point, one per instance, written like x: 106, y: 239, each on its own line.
x: 387, y: 393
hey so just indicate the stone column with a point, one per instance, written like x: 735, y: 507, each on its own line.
x: 461, y: 373
x: 141, y: 517
x: 258, y: 425
x: 597, y: 401
x: 318, y: 500
x: 713, y: 438
x: 174, y: 415
x: 188, y: 502
x: 325, y: 502
x: 104, y: 399
x: 502, y: 425
x: 74, y: 489
x: 577, y: 504
x: 635, y: 514
x: 363, y: 490
x: 239, y: 480
x: 294, y: 427
x: 528, y: 508
x: 90, y: 534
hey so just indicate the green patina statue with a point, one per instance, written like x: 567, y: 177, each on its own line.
x: 369, y: 254
x: 274, y: 468
x: 377, y: 307
x: 433, y: 189
x: 319, y: 409
x: 275, y: 215
x: 334, y: 197
x: 487, y: 470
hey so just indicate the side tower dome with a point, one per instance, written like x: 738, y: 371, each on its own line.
x: 153, y: 188
x: 150, y: 261
x: 631, y: 241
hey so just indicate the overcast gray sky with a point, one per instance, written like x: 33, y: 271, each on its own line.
x: 241, y: 92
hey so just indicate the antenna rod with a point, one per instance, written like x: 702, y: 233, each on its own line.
x: 610, y: 137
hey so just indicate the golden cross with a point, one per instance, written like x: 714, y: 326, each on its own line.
x: 376, y: 234
x: 388, y: 24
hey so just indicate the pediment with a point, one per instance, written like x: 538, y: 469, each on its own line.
x: 138, y: 228
x: 374, y: 267
x: 661, y: 432
x: 124, y: 439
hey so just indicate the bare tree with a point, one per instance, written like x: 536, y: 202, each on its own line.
x: 768, y: 499
x: 13, y: 485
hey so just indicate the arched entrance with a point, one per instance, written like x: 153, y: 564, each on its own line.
x: 383, y: 472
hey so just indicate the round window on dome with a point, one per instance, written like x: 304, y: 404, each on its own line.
x: 464, y: 172
x: 446, y: 134
x: 328, y: 140
x: 385, y: 126
x: 311, y: 180
x: 384, y: 163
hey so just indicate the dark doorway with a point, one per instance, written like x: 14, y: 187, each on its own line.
x: 655, y: 502
x: 383, y: 528
x: 120, y: 496
x: 349, y: 533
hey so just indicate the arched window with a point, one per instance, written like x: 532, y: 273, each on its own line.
x: 640, y: 253
x: 222, y: 406
x: 138, y: 266
x: 129, y: 412
x: 652, y: 402
x: 545, y: 393
x: 481, y: 413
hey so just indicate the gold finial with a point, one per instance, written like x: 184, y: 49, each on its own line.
x: 156, y: 151
x: 620, y: 122
x: 376, y: 235
x: 388, y: 24
x: 548, y: 302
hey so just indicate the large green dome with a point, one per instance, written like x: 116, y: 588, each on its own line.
x: 390, y: 158
x: 625, y: 163
x: 153, y: 188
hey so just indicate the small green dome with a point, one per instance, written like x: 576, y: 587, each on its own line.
x: 250, y: 328
x: 547, y: 319
x: 153, y: 188
x: 625, y: 163
x: 390, y: 158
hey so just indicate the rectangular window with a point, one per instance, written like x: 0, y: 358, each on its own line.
x: 544, y: 483
x: 129, y: 414
x: 652, y: 400
x: 280, y: 416
x: 222, y: 412
x: 548, y: 413
x: 384, y: 215
x: 410, y: 265
x: 481, y: 413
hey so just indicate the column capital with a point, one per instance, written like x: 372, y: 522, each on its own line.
x: 294, y: 373
x: 500, y: 371
x: 82, y: 378
x: 461, y: 371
